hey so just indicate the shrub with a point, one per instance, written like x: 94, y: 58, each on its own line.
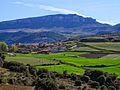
x: 46, y: 84
x: 12, y: 81
x: 103, y: 87
x: 15, y: 66
x: 111, y: 88
x: 78, y: 83
x: 101, y: 79
x: 85, y: 78
x: 109, y: 81
x: 32, y: 71
x: 62, y: 86
x: 94, y: 84
x: 3, y: 80
x: 65, y: 72
x: 73, y: 77
x: 42, y: 70
x: 93, y: 74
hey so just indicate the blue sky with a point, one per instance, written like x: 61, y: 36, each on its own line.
x: 102, y: 10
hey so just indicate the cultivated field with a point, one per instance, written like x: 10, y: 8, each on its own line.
x: 30, y: 60
x: 63, y: 67
x: 106, y: 45
x: 75, y: 62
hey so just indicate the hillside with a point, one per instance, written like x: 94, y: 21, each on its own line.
x: 24, y: 37
x: 58, y: 23
x: 46, y: 28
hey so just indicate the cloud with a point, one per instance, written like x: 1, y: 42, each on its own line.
x: 54, y: 9
x: 48, y: 8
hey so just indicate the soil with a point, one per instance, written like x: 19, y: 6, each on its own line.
x: 93, y: 55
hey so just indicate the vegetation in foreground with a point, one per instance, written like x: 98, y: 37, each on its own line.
x: 42, y: 79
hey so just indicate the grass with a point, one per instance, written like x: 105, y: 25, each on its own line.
x: 106, y: 45
x: 63, y: 67
x: 112, y: 56
x: 30, y: 60
x: 68, y: 57
x: 111, y: 70
x: 73, y: 58
x: 84, y: 49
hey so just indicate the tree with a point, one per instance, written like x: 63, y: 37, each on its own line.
x: 78, y: 83
x: 3, y: 47
x: 13, y: 48
x: 2, y: 57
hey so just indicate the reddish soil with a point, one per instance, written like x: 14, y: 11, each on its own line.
x: 92, y: 55
x: 15, y: 87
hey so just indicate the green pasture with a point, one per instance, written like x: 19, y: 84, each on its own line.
x: 106, y: 45
x: 70, y: 58
x: 74, y: 58
x: 84, y: 49
x: 111, y: 70
x: 30, y: 60
x: 63, y: 67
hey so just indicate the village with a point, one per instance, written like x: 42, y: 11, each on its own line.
x: 38, y: 48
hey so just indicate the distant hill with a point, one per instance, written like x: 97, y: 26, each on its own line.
x: 24, y: 37
x: 58, y: 22
x: 69, y: 25
x: 117, y: 27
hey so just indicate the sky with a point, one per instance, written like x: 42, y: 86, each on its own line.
x: 105, y: 11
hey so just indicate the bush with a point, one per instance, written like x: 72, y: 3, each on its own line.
x: 12, y: 81
x: 94, y: 84
x: 46, y: 84
x: 93, y: 74
x: 111, y: 88
x: 101, y: 79
x: 62, y: 86
x: 103, y: 87
x: 85, y: 78
x: 15, y: 66
x: 78, y: 83
x: 65, y: 72
x: 3, y: 80
x: 109, y: 81
x: 42, y: 70
x: 73, y: 77
x: 32, y: 70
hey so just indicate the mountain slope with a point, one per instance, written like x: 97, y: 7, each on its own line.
x: 23, y: 37
x: 59, y: 22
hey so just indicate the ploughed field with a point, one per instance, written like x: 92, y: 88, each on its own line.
x: 75, y: 62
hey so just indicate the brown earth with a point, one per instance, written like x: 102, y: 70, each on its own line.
x: 92, y: 55
x: 15, y: 87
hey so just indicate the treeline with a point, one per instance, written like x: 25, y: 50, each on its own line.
x: 7, y: 48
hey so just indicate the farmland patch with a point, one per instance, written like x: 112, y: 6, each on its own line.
x: 89, y: 55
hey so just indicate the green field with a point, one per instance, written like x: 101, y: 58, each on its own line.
x: 112, y: 70
x: 106, y: 45
x: 84, y: 49
x: 74, y: 58
x: 63, y: 67
x: 30, y: 60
